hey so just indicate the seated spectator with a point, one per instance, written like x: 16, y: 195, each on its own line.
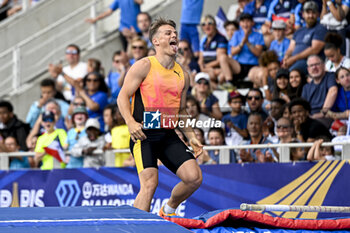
x: 79, y: 118
x: 95, y: 95
x: 236, y: 121
x: 18, y: 162
x: 255, y: 101
x: 297, y: 80
x: 275, y: 113
x: 187, y: 61
x: 94, y: 65
x: 120, y: 138
x: 47, y: 91
x: 239, y: 8
x: 75, y: 69
x: 341, y: 108
x: 86, y: 146
x: 306, y: 40
x: 204, y: 158
x: 282, y: 88
x: 11, y: 126
x: 116, y: 76
x: 110, y: 121
x: 246, y: 46
x: 285, y: 130
x: 50, y: 134
x: 286, y: 111
x: 139, y: 49
x: 297, y: 153
x: 258, y: 9
x: 144, y: 20
x: 306, y: 128
x: 318, y: 152
x: 264, y: 75
x: 213, y: 57
x: 322, y: 91
x: 280, y: 43
x: 209, y: 104
x: 255, y: 130
x: 216, y: 137
x: 280, y: 10
x: 230, y: 28
x: 335, y: 59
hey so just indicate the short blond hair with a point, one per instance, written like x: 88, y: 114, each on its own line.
x: 157, y: 24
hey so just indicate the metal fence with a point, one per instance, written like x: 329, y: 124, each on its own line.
x: 224, y: 157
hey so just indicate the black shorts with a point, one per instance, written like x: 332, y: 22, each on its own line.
x: 162, y: 144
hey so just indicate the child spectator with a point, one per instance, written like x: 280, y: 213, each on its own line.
x: 280, y: 43
x: 230, y: 28
x: 87, y: 145
x: 318, y: 152
x: 297, y: 153
x: 120, y: 138
x: 50, y: 134
x: 79, y: 118
x: 17, y: 162
x: 282, y: 87
x: 216, y: 137
x: 236, y: 121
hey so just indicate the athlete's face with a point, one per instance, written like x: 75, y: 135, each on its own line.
x: 167, y: 40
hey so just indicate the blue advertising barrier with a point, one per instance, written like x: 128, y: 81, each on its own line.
x: 224, y: 186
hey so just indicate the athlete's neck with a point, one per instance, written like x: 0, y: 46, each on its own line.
x: 165, y: 60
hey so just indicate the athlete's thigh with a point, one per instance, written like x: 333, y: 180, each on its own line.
x: 144, y: 153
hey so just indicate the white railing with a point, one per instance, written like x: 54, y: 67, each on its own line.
x: 223, y: 159
x: 22, y: 63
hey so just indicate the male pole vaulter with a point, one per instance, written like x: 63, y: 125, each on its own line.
x: 158, y: 84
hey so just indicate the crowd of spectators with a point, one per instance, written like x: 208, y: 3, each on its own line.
x: 284, y: 73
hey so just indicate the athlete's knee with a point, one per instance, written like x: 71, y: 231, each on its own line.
x: 149, y: 183
x: 194, y: 179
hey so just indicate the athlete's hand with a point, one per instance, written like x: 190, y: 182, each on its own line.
x: 135, y: 130
x: 196, y: 146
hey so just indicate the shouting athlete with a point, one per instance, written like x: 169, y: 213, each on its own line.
x: 158, y: 85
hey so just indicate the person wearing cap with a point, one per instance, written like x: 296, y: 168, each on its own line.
x: 236, y: 121
x: 281, y: 86
x: 79, y: 118
x: 209, y: 104
x: 213, y: 57
x: 50, y: 134
x: 86, y: 146
x: 246, y: 45
x: 308, y: 40
x: 280, y: 43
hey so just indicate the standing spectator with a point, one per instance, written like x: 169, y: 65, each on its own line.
x: 341, y: 107
x: 116, y: 76
x: 75, y: 69
x: 129, y: 9
x: 95, y: 95
x: 12, y: 126
x: 246, y: 45
x: 86, y: 146
x: 47, y: 91
x: 255, y: 130
x: 216, y: 137
x: 213, y: 57
x: 120, y: 138
x: 322, y: 91
x: 335, y: 59
x: 18, y: 162
x: 306, y: 41
x: 143, y: 23
x: 79, y: 118
x: 255, y: 101
x: 191, y: 12
x: 306, y: 128
x: 209, y: 104
x: 280, y: 43
x: 297, y: 80
x: 51, y: 134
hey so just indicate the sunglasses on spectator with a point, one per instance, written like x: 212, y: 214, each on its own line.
x: 254, y: 97
x: 138, y: 47
x: 283, y: 126
x: 92, y: 80
x: 72, y: 52
x: 78, y: 104
x: 48, y: 119
x: 205, y: 24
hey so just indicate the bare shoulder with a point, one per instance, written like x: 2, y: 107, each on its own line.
x: 141, y: 67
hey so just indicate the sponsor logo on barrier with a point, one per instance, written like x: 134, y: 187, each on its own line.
x: 67, y: 193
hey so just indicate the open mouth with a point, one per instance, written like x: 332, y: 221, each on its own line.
x: 173, y: 45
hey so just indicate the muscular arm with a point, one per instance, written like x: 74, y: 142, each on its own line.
x: 316, y: 47
x: 133, y: 80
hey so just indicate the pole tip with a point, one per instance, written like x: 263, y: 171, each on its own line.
x: 244, y: 206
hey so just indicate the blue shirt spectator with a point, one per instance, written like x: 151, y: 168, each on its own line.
x: 245, y: 56
x: 259, y: 14
x: 101, y: 98
x: 209, y: 50
x: 280, y: 47
x: 281, y: 8
x: 129, y: 10
x: 240, y: 120
x: 73, y: 136
x: 112, y: 83
x: 342, y: 104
